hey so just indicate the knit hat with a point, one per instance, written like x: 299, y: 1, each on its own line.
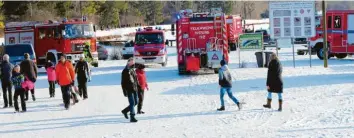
x: 222, y: 62
x: 140, y: 66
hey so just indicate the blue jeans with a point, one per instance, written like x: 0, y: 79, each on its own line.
x: 133, y: 101
x: 279, y: 96
x: 229, y: 93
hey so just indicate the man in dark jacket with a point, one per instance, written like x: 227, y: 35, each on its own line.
x: 6, y: 83
x: 274, y: 81
x: 130, y: 85
x: 225, y: 82
x: 29, y: 70
x: 83, y: 75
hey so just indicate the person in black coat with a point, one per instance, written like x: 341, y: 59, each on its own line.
x: 29, y: 70
x: 83, y: 75
x: 130, y: 86
x: 274, y: 81
x: 6, y: 83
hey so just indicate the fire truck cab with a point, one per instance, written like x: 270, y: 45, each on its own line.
x: 51, y: 39
x: 234, y: 29
x: 202, y: 40
x: 150, y: 46
x: 340, y: 34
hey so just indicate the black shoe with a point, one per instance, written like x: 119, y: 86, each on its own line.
x: 85, y: 98
x: 76, y: 101
x: 24, y: 111
x: 132, y: 119
x: 33, y: 97
x: 11, y: 106
x: 125, y: 115
x: 239, y: 106
x: 26, y: 99
x: 141, y: 112
x: 222, y: 108
x: 17, y: 111
x: 67, y: 106
x: 5, y: 106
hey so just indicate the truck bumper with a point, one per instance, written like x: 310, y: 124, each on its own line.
x: 152, y: 59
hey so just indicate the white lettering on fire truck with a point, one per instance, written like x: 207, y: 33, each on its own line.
x: 202, y: 28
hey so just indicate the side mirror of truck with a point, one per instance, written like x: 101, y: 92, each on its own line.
x: 166, y: 43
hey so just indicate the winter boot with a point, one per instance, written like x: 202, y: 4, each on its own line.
x: 67, y: 106
x: 132, y: 119
x: 280, y: 105
x: 239, y: 105
x: 125, y: 115
x: 268, y: 105
x: 33, y: 97
x: 222, y: 108
x: 141, y: 112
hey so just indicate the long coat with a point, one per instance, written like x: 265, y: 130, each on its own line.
x: 129, y: 81
x: 274, y: 79
x: 29, y: 69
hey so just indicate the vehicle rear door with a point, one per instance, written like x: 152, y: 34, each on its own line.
x: 337, y: 33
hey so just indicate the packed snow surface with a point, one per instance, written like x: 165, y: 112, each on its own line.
x: 318, y: 102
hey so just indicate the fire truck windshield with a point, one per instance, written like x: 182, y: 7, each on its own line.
x: 79, y: 31
x: 149, y: 38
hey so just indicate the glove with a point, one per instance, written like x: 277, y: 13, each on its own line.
x: 73, y: 83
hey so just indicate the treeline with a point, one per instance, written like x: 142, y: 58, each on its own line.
x: 114, y: 13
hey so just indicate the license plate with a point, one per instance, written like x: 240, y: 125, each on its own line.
x: 149, y: 60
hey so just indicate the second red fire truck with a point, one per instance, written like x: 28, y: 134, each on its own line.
x: 51, y: 39
x: 340, y: 34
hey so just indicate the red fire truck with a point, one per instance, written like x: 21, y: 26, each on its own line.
x: 340, y: 34
x: 51, y: 39
x: 202, y: 40
x: 150, y: 46
x: 234, y: 29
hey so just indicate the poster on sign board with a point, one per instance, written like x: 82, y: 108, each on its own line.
x: 251, y: 41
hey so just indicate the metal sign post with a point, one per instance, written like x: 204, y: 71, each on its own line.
x: 292, y: 42
x: 276, y: 47
x: 310, y: 53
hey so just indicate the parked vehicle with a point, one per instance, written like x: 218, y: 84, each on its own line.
x: 128, y: 50
x: 51, y: 39
x: 234, y: 29
x: 150, y: 46
x: 102, y: 53
x: 16, y: 52
x: 340, y: 34
x: 266, y: 36
x: 202, y: 41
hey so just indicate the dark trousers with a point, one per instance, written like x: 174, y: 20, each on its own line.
x: 83, y: 88
x: 65, y: 90
x: 51, y: 88
x: 7, y: 91
x: 141, y: 100
x: 133, y: 101
x: 20, y: 92
x: 26, y: 93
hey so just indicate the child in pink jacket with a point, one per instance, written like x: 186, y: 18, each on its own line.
x: 51, y: 77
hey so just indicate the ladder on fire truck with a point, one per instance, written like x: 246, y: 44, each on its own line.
x: 217, y: 41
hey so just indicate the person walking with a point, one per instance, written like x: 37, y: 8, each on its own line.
x: 274, y: 81
x: 6, y: 73
x: 50, y: 68
x: 130, y: 85
x: 66, y: 79
x: 140, y: 72
x: 83, y: 75
x: 225, y: 83
x: 29, y: 70
x: 18, y: 80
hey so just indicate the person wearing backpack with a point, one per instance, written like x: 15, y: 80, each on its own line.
x: 83, y: 75
x: 6, y: 83
x: 225, y: 83
x: 66, y: 79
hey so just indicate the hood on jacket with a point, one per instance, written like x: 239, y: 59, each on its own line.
x: 224, y: 68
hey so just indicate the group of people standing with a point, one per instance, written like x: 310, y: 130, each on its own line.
x: 23, y: 77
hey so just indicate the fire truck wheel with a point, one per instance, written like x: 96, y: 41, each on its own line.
x: 320, y: 54
x: 341, y: 56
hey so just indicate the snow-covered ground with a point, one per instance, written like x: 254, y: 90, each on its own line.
x: 318, y: 102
